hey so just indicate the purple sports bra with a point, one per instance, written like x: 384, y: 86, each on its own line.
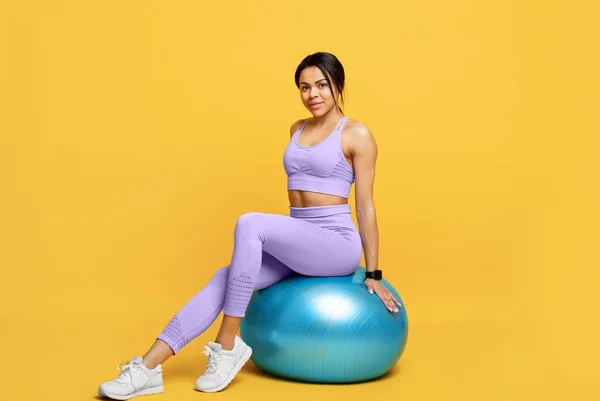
x: 319, y: 168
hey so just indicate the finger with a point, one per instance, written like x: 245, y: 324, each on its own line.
x: 392, y: 304
x: 389, y: 304
x: 385, y: 298
x: 394, y: 300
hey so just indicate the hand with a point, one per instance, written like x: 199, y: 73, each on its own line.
x: 383, y: 293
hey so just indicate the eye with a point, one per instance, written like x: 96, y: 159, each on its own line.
x: 322, y: 84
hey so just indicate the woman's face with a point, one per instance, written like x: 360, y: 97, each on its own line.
x: 316, y: 93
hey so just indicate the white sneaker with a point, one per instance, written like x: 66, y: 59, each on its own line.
x: 135, y: 379
x: 222, y: 365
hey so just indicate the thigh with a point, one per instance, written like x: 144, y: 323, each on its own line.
x: 271, y: 272
x: 305, y: 247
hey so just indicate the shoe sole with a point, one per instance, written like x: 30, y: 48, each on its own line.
x: 146, y: 391
x: 233, y: 373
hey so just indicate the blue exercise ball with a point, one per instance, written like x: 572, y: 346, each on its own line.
x: 324, y: 329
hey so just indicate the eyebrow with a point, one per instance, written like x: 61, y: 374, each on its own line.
x: 323, y: 79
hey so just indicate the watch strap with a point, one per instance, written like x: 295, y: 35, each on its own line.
x: 376, y: 275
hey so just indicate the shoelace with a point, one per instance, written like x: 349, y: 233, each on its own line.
x: 212, y: 364
x: 127, y: 371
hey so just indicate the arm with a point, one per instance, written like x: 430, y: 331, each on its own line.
x: 364, y: 158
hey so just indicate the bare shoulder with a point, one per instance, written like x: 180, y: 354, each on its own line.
x: 294, y: 127
x: 359, y: 135
x: 357, y: 128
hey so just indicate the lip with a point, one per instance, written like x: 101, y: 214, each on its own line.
x: 315, y: 105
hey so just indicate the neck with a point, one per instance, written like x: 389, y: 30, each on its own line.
x: 331, y: 117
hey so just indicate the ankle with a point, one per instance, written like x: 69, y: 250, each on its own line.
x: 226, y: 344
x: 149, y: 363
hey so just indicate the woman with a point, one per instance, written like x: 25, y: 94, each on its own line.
x: 326, y: 154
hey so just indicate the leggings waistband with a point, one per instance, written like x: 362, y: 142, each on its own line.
x: 319, y: 211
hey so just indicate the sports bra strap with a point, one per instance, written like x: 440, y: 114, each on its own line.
x: 339, y: 126
x: 341, y: 123
x: 304, y: 125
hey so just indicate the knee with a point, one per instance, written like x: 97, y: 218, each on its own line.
x: 220, y: 277
x: 222, y: 272
x: 248, y: 220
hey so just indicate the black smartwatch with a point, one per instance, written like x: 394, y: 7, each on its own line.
x: 376, y: 275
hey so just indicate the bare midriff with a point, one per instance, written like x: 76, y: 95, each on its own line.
x: 313, y: 199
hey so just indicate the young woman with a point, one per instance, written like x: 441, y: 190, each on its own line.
x: 326, y: 154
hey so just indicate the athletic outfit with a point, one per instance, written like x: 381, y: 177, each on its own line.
x: 312, y: 241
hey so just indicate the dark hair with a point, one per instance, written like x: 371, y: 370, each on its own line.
x: 330, y: 66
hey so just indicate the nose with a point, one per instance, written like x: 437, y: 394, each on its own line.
x: 314, y: 91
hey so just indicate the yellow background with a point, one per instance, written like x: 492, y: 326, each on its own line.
x: 134, y: 133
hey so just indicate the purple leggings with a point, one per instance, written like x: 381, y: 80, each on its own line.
x: 313, y: 241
